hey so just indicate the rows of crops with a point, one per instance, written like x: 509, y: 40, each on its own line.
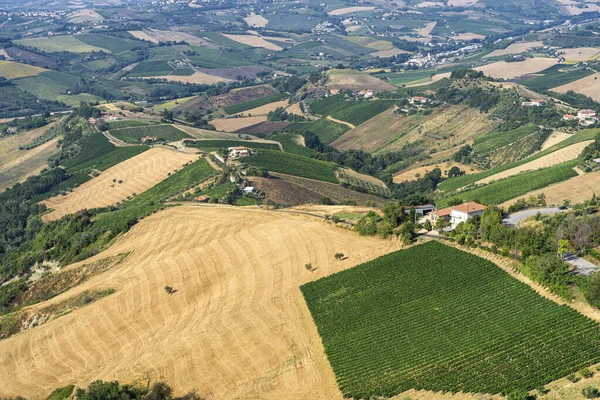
x: 290, y: 144
x: 292, y: 164
x: 248, y: 105
x: 97, y: 152
x: 212, y: 145
x: 510, y: 188
x: 519, y: 149
x: 485, y: 144
x: 135, y: 134
x: 433, y: 317
x: 362, y: 185
x: 461, y: 181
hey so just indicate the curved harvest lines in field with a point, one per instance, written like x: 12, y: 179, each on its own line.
x: 137, y: 174
x: 237, y: 327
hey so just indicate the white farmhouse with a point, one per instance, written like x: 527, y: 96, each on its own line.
x: 460, y: 213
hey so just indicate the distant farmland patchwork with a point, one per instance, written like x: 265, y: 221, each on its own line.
x: 135, y: 134
x: 436, y: 318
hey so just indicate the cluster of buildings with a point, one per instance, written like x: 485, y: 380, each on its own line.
x: 240, y: 152
x: 585, y: 117
x: 534, y: 103
x: 452, y: 216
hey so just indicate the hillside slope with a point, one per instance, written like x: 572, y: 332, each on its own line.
x: 237, y: 327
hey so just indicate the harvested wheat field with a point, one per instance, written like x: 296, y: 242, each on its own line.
x: 237, y: 326
x: 253, y: 41
x: 580, y: 53
x: 411, y: 175
x: 555, y: 138
x: 563, y: 155
x: 426, y: 30
x: 14, y: 70
x: 264, y: 110
x: 234, y: 124
x: 256, y: 21
x: 589, y: 86
x: 349, y: 10
x: 577, y: 189
x: 198, y: 133
x: 515, y: 48
x: 10, y: 154
x: 355, y: 80
x: 508, y: 70
x: 137, y: 174
x: 27, y: 163
x: 468, y: 36
x: 197, y: 77
x: 143, y: 36
x: 295, y: 109
x: 446, y: 127
x: 82, y: 16
x: 461, y: 3
x: 388, y: 53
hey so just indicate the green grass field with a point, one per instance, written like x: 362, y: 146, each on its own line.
x: 509, y: 188
x: 249, y: 105
x: 134, y: 134
x: 216, y: 58
x: 327, y: 105
x: 485, y: 144
x: 223, y: 41
x: 288, y: 141
x: 327, y: 130
x: 292, y: 164
x: 151, y: 68
x: 405, y: 78
x: 555, y: 76
x: 436, y: 318
x: 464, y: 180
x: 213, y: 145
x: 362, y: 111
x: 111, y: 43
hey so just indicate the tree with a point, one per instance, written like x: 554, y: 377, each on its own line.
x: 440, y: 224
x: 308, y: 267
x: 427, y: 225
x: 406, y: 233
x: 563, y: 247
x: 590, y: 392
x: 339, y: 256
x: 455, y: 171
x: 169, y: 290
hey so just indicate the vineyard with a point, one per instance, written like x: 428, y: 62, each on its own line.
x: 213, y: 145
x: 509, y: 188
x: 292, y: 164
x: 433, y: 317
x: 135, y: 134
x: 361, y: 185
x: 518, y: 150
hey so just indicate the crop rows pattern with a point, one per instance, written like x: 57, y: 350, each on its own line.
x: 436, y: 318
x: 135, y: 134
x: 292, y: 164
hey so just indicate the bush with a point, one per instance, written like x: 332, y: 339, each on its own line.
x: 573, y: 378
x: 586, y: 372
x: 590, y: 392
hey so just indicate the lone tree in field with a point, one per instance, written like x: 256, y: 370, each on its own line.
x: 339, y: 256
x: 308, y: 267
x: 169, y: 290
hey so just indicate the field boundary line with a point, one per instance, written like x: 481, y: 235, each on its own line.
x: 339, y: 121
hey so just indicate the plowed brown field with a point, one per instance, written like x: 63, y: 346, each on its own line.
x: 137, y: 174
x: 237, y: 327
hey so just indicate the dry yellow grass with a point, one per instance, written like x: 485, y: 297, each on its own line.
x: 502, y: 69
x: 237, y: 327
x: 566, y: 154
x: 206, y: 134
x: 143, y: 36
x: 388, y: 53
x: 233, y: 124
x: 26, y: 163
x: 445, y: 128
x: 426, y: 30
x: 197, y: 77
x: 468, y: 36
x: 267, y: 108
x: 363, y: 177
x: 10, y: 154
x: 555, y: 138
x: 137, y: 174
x: 580, y: 53
x: 589, y: 86
x: 294, y: 109
x: 355, y: 80
x: 411, y: 174
x: 15, y: 70
x: 349, y: 10
x: 82, y: 16
x: 256, y: 21
x: 577, y: 189
x: 461, y: 3
x: 254, y: 41
x: 515, y: 48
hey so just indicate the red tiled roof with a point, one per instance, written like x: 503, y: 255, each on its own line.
x: 468, y: 207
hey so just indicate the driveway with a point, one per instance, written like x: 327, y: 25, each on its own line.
x: 515, y: 218
x: 582, y: 266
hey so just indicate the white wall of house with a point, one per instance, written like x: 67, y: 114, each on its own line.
x: 456, y: 217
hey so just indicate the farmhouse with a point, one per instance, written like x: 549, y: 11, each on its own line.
x: 202, y: 199
x: 421, y: 210
x: 239, y: 152
x: 569, y: 117
x: 12, y: 129
x: 149, y: 139
x: 460, y: 213
x: 418, y: 100
x: 586, y: 113
x: 248, y: 190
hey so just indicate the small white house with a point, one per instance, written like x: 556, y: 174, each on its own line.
x: 418, y: 100
x: 248, y: 190
x: 239, y: 152
x: 462, y: 212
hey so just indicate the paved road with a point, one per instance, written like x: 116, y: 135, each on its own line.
x: 582, y: 266
x: 515, y: 218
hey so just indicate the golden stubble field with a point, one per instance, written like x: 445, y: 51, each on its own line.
x: 137, y: 174
x: 237, y: 327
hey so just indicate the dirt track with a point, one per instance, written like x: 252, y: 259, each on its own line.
x: 137, y: 175
x: 237, y: 327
